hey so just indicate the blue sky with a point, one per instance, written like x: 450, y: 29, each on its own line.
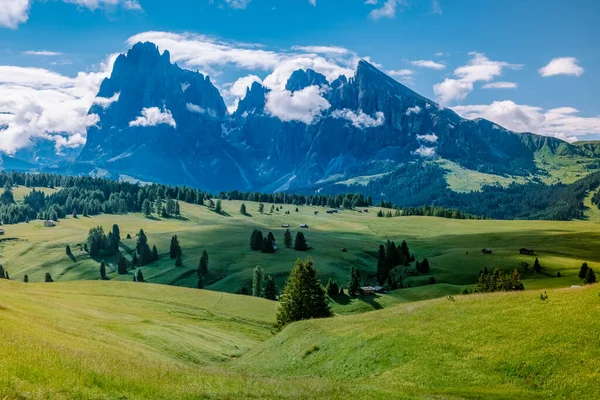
x: 482, y: 58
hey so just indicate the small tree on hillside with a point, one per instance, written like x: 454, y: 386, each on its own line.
x: 583, y: 271
x: 270, y: 289
x: 175, y: 249
x: 154, y: 253
x: 258, y: 241
x: 332, y: 288
x: 354, y: 284
x: 300, y: 243
x: 147, y: 208
x: 219, y: 207
x: 203, y: 265
x: 243, y: 210
x: 102, y: 271
x: 257, y: 282
x: 48, y: 277
x: 590, y: 277
x: 26, y: 278
x: 383, y: 271
x: 267, y: 246
x: 261, y: 208
x: 122, y: 266
x: 287, y: 238
x: 536, y: 266
x: 139, y: 277
x: 303, y: 297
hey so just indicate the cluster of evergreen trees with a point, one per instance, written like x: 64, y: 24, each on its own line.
x: 587, y: 274
x: 498, y: 281
x: 263, y: 287
x: 267, y: 244
x: 389, y: 257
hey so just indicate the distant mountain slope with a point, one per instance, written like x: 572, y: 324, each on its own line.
x: 158, y: 122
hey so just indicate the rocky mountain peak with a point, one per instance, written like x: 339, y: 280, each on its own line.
x: 301, y: 79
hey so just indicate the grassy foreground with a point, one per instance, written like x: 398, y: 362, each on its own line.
x: 111, y: 340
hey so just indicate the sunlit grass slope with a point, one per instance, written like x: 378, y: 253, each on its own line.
x: 497, y: 346
x: 452, y: 247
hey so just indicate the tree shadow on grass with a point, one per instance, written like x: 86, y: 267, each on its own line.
x: 223, y: 213
x: 344, y: 300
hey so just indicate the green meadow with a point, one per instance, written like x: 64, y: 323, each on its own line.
x: 125, y: 340
x: 453, y: 248
x: 84, y: 338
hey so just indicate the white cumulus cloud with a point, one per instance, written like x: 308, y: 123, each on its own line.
x: 479, y: 68
x: 425, y: 152
x: 562, y: 66
x: 106, y: 102
x: 500, y: 85
x: 36, y: 102
x: 359, y: 119
x: 430, y: 137
x: 303, y: 105
x: 561, y: 122
x: 154, y: 116
x: 15, y: 12
x: 413, y: 110
x: 428, y: 64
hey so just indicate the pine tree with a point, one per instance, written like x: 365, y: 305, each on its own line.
x: 300, y: 243
x: 382, y: 266
x: 424, y: 267
x: 590, y: 276
x: 267, y: 246
x: 175, y: 249
x: 116, y: 233
x: 48, y: 277
x: 583, y: 271
x: 271, y: 237
x: 270, y: 289
x: 332, y: 288
x: 303, y: 297
x: 177, y: 209
x: 536, y: 266
x: 203, y: 265
x: 122, y: 266
x: 219, y: 207
x: 257, y: 282
x: 253, y: 239
x: 147, y: 208
x: 143, y: 249
x: 354, y: 284
x: 258, y: 241
x: 243, y: 209
x: 139, y: 276
x: 102, y: 271
x: 26, y: 278
x: 154, y: 253
x: 261, y: 208
x: 287, y: 238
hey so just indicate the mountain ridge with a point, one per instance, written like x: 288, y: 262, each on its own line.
x: 159, y: 122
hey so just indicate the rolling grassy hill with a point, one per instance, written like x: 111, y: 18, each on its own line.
x: 498, y: 346
x: 109, y: 340
x: 452, y: 247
